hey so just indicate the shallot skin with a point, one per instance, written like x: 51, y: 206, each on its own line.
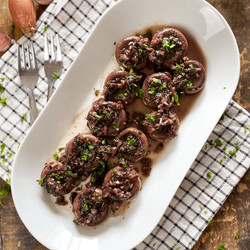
x: 44, y: 2
x: 24, y: 15
x: 4, y: 42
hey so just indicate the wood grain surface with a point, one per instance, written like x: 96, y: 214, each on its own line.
x: 234, y: 215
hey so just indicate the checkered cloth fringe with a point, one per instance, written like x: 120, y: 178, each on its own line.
x: 214, y: 173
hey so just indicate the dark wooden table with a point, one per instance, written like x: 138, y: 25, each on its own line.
x: 234, y: 215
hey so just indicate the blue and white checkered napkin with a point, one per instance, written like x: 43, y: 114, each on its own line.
x: 214, y: 173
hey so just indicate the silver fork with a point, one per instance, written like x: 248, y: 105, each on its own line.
x: 52, y: 67
x: 28, y: 75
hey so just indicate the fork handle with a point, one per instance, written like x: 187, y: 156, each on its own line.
x: 32, y: 104
x: 50, y: 88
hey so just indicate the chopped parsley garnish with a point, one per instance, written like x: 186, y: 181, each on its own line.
x: 102, y: 163
x: 209, y: 175
x: 175, y: 98
x: 1, y: 88
x: 85, y: 207
x: 56, y: 157
x: 12, y: 25
x: 122, y: 68
x: 133, y: 84
x: 114, y: 43
x: 69, y: 173
x: 122, y: 161
x: 218, y: 142
x: 54, y: 75
x: 209, y: 222
x: 91, y: 146
x: 45, y: 27
x: 2, y: 147
x: 3, y: 157
x: 189, y: 84
x: 77, y: 223
x: 179, y: 69
x: 211, y: 142
x: 191, y: 66
x: 3, y: 101
x: 122, y: 95
x: 145, y: 45
x: 237, y: 235
x: 151, y: 117
x: 114, y: 124
x: 61, y: 149
x: 97, y: 92
x: 201, y: 207
x: 24, y: 117
x: 4, y: 192
x: 168, y: 45
x: 155, y: 80
x: 9, y: 154
x: 98, y: 117
x: 240, y: 111
x: 163, y: 86
x: 222, y: 247
x: 232, y: 152
x: 131, y: 141
x: 2, y: 79
x: 104, y: 142
x: 131, y: 71
x: 57, y: 176
x: 223, y: 116
x: 140, y: 51
x: 85, y: 155
x: 144, y: 149
x: 8, y: 180
x: 40, y: 182
x: 236, y: 145
x: 245, y: 129
x: 205, y: 211
x: 225, y: 157
x: 151, y: 90
x: 140, y: 93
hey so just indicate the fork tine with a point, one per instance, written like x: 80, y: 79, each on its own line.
x: 59, y: 52
x: 28, y: 57
x: 18, y: 58
x: 33, y: 55
x: 24, y: 59
x: 46, y: 50
x: 52, y: 48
